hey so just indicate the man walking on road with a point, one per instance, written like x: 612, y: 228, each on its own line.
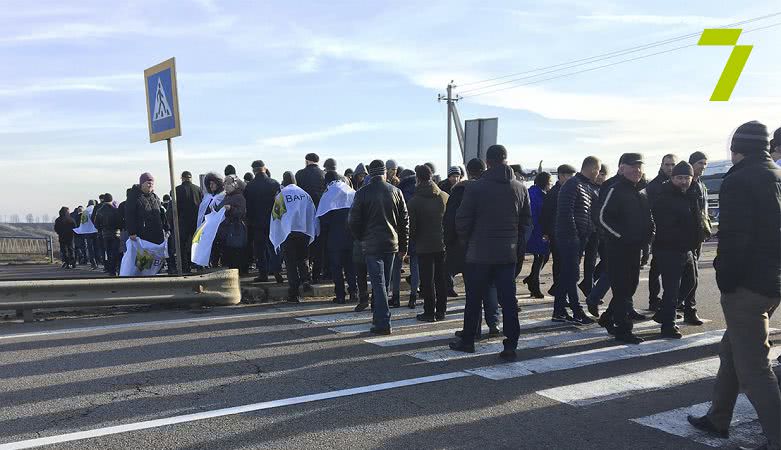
x: 188, y: 198
x: 677, y: 231
x: 698, y: 195
x: 493, y: 220
x: 378, y: 219
x: 653, y: 190
x: 626, y: 218
x: 748, y: 273
x: 548, y: 220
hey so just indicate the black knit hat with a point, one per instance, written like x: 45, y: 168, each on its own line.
x: 330, y: 164
x: 331, y: 176
x: 566, y: 169
x: 475, y: 166
x: 376, y: 168
x: 312, y: 157
x: 496, y: 152
x: 258, y: 163
x: 187, y: 174
x: 230, y: 170
x: 423, y: 172
x: 697, y: 156
x: 751, y: 137
x: 107, y: 198
x: 683, y: 168
x: 631, y: 159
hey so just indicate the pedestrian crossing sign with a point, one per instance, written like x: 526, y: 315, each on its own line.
x: 162, y: 101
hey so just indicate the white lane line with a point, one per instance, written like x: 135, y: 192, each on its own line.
x: 367, y: 315
x: 413, y: 322
x: 439, y: 334
x: 595, y: 356
x: 590, y: 392
x: 107, y: 431
x: 744, y: 430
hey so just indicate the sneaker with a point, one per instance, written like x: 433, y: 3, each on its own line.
x: 671, y: 332
x: 508, y: 355
x: 494, y: 331
x: 593, y: 309
x: 384, y: 331
x: 361, y: 306
x: 394, y: 302
x: 634, y: 315
x: 629, y: 338
x: 583, y: 319
x: 561, y: 318
x: 607, y: 323
x: 462, y: 346
x: 704, y: 424
x: 413, y: 302
x: 426, y: 317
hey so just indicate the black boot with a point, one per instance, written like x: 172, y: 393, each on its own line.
x: 704, y: 424
x: 690, y: 317
x: 462, y: 346
x: 413, y: 301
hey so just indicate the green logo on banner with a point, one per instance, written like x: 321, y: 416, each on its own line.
x: 737, y: 59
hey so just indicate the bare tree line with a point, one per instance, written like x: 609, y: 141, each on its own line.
x: 29, y: 218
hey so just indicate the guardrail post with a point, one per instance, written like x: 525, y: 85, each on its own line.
x: 51, y: 250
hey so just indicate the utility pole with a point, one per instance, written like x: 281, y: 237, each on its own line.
x: 450, y: 117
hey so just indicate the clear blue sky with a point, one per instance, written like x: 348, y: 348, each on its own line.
x: 354, y: 80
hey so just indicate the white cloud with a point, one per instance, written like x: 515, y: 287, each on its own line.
x: 645, y: 19
x: 297, y: 139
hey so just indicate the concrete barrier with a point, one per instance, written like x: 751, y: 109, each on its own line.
x: 219, y: 287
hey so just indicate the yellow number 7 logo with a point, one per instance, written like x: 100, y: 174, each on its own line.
x: 735, y: 63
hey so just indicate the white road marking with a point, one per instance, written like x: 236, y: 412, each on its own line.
x: 590, y: 392
x: 367, y: 315
x: 595, y: 356
x: 107, y: 431
x: 744, y: 430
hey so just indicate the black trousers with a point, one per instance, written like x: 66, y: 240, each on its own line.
x: 67, y: 253
x: 295, y: 250
x: 266, y: 259
x: 689, y: 282
x: 590, y: 254
x: 433, y: 270
x: 186, y: 245
x: 361, y: 273
x: 671, y: 265
x: 654, y: 287
x: 111, y: 244
x: 554, y: 265
x: 624, y: 272
x: 316, y: 257
x: 537, y: 265
x: 342, y: 269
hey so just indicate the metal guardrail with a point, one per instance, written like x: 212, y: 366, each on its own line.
x: 212, y: 288
x: 26, y: 245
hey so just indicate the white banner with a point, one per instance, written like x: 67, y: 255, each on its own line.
x: 208, y: 204
x: 86, y: 226
x: 143, y: 258
x: 203, y: 239
x: 293, y: 211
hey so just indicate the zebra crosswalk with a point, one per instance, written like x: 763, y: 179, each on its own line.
x: 426, y: 343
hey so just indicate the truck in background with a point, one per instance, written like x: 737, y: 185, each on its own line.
x: 712, y: 177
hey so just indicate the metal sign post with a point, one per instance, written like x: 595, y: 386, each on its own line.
x: 162, y: 106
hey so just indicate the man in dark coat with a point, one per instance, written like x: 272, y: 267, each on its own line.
x: 144, y: 214
x: 108, y: 223
x: 334, y: 229
x: 548, y: 219
x: 188, y: 199
x: 260, y: 194
x: 493, y: 219
x: 573, y: 229
x: 698, y: 195
x: 378, y: 219
x: 748, y: 272
x: 626, y: 219
x: 653, y: 190
x: 312, y: 180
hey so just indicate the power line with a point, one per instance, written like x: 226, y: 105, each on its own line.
x: 604, y: 65
x: 597, y: 58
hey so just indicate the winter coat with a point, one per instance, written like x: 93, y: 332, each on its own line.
x: 426, y: 210
x: 573, y: 212
x: 749, y: 251
x: 107, y: 220
x: 145, y: 216
x: 548, y: 216
x: 455, y: 247
x: 333, y: 225
x: 260, y: 194
x: 624, y: 214
x: 445, y: 186
x: 536, y: 245
x: 238, y: 204
x: 654, y: 188
x: 64, y: 226
x: 312, y: 180
x: 698, y: 194
x: 675, y: 217
x: 494, y: 218
x: 188, y: 199
x: 378, y: 218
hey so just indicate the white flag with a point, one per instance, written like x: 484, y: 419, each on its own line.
x: 203, y: 239
x: 293, y: 211
x: 208, y: 205
x: 86, y: 226
x: 143, y: 258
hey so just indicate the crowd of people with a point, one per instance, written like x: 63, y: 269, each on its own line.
x: 361, y: 225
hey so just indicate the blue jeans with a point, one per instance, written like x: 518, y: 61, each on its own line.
x: 396, y: 277
x: 569, y: 255
x: 478, y: 279
x: 379, y: 268
x: 491, y: 307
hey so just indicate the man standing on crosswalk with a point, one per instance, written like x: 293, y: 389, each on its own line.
x: 626, y: 218
x: 748, y: 272
x: 493, y: 220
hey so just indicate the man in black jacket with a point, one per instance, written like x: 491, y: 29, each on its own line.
x: 653, y: 190
x: 260, y: 194
x: 378, y: 219
x: 573, y: 229
x: 626, y: 219
x: 144, y: 214
x: 493, y: 220
x: 698, y: 195
x: 188, y: 199
x: 548, y: 219
x: 108, y: 223
x: 748, y: 272
x: 677, y: 230
x: 312, y: 180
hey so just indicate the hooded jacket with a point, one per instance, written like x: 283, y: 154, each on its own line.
x: 749, y: 251
x: 379, y: 219
x: 426, y: 210
x: 494, y: 218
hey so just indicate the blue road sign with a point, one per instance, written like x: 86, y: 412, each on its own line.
x: 162, y: 101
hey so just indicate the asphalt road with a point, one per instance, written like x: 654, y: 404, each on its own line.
x: 306, y: 376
